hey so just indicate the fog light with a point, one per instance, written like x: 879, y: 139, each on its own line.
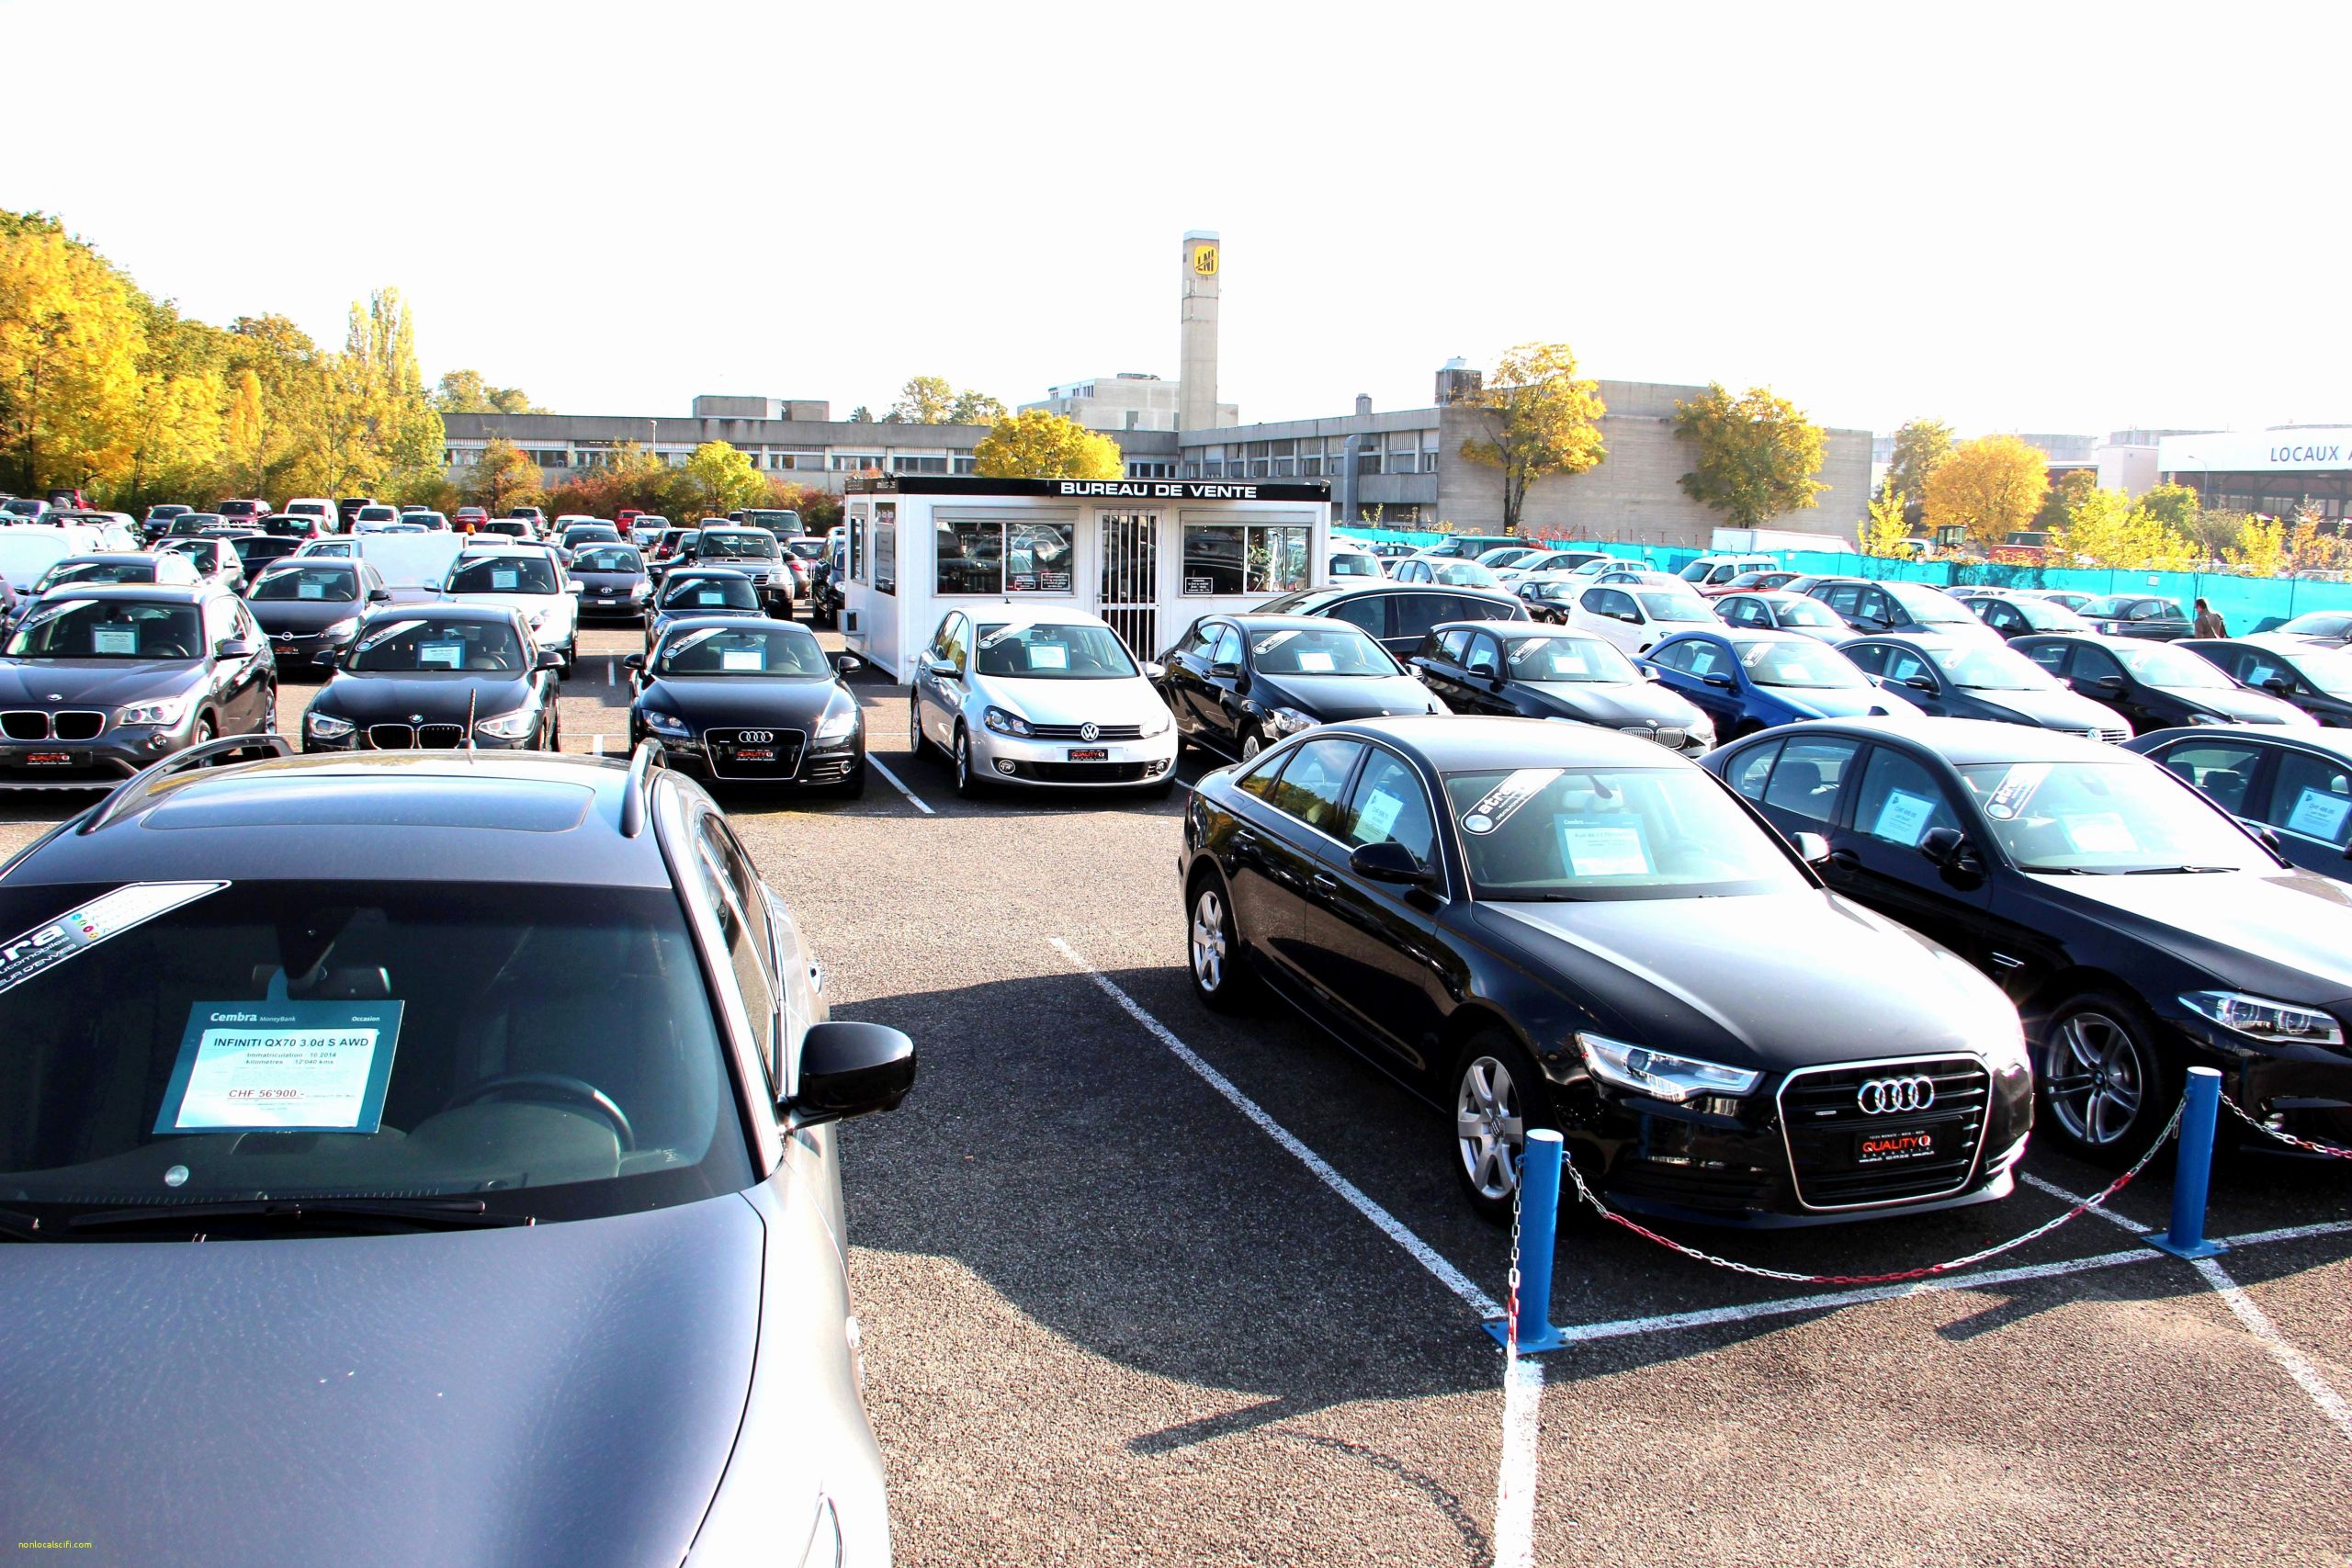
x: 1005, y: 765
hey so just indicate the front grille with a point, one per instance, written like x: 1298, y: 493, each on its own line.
x: 24, y: 724
x: 441, y: 737
x: 79, y: 724
x: 1083, y: 773
x: 1071, y: 732
x: 2112, y: 736
x: 392, y: 737
x: 1820, y: 1119
x: 725, y: 764
x: 1673, y: 738
x: 1709, y: 1184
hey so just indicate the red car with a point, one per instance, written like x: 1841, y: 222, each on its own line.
x: 466, y: 519
x: 244, y: 513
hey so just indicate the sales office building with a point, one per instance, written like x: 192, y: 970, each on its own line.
x: 1149, y: 557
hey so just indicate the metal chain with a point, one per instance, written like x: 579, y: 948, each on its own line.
x: 2269, y: 1132
x: 1511, y: 1307
x: 2118, y: 1184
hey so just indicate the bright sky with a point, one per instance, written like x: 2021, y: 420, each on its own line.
x: 2052, y: 217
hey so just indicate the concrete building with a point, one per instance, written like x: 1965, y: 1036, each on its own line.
x: 1131, y: 400
x: 2278, y: 471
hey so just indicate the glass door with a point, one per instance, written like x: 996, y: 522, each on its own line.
x: 1127, y: 596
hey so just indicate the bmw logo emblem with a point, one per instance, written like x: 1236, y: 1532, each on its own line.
x: 1088, y: 731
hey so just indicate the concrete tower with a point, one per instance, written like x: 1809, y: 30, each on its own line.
x: 1196, y: 383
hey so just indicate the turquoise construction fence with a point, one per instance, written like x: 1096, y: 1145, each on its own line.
x: 2246, y: 604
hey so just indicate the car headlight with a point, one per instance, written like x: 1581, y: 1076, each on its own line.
x: 514, y: 725
x: 166, y: 711
x: 1658, y: 1073
x: 1005, y: 723
x: 326, y: 727
x: 2263, y: 1019
x: 669, y: 725
x: 2006, y: 1055
x: 1161, y: 722
x: 1288, y: 721
x: 840, y: 721
x: 824, y: 1548
x: 636, y: 589
x: 342, y: 631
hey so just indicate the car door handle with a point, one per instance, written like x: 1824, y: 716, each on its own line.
x: 1324, y: 882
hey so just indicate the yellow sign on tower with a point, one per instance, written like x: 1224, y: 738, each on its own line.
x: 1205, y: 260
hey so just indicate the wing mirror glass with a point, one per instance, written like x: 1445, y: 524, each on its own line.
x: 233, y: 647
x: 1391, y: 862
x: 633, y: 662
x: 1812, y: 848
x: 847, y: 663
x: 850, y: 1069
x: 548, y: 660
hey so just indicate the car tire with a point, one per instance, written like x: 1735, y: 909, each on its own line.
x: 1252, y: 742
x: 1213, y: 956
x: 1498, y: 1094
x: 555, y: 732
x: 205, y: 733
x: 1164, y: 788
x: 918, y: 743
x: 968, y: 783
x: 2105, y: 1085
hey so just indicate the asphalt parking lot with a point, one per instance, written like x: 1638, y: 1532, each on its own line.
x: 1112, y: 1317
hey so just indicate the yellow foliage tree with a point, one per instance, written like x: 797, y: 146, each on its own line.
x: 2105, y: 529
x: 69, y: 342
x: 1546, y: 421
x: 1990, y: 487
x: 2260, y: 548
x: 245, y: 433
x: 1037, y: 445
x: 1757, y: 454
x: 1884, y: 530
x: 724, y: 478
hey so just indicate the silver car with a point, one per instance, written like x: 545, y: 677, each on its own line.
x: 1041, y: 696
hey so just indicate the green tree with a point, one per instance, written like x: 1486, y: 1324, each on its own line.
x: 724, y: 479
x: 1990, y: 489
x: 2260, y: 548
x: 932, y: 399
x: 2063, y: 497
x: 502, y: 476
x: 1038, y: 445
x: 1920, y: 445
x: 860, y: 415
x: 465, y: 391
x: 1757, y: 454
x: 1542, y: 420
x: 1886, y: 527
x: 975, y: 408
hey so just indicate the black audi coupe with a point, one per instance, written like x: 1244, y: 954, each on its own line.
x: 1550, y: 925
x: 749, y: 701
x: 437, y: 677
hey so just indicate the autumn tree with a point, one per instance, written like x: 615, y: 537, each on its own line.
x: 2308, y: 550
x: 932, y: 399
x: 2260, y: 548
x: 1756, y: 456
x: 1989, y: 488
x: 975, y: 408
x: 1920, y: 446
x: 70, y: 341
x: 1542, y: 420
x: 174, y: 436
x: 724, y: 479
x: 1038, y: 445
x: 502, y: 478
x: 1886, y: 527
x: 2062, y: 498
x: 245, y: 434
x: 2105, y: 529
x: 465, y: 391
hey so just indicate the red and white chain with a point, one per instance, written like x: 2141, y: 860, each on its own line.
x: 1511, y: 1305
x: 2269, y: 1132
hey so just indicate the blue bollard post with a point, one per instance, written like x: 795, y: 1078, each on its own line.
x: 1539, y: 1230
x: 2193, y: 1171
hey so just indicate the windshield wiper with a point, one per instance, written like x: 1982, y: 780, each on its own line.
x: 415, y: 1213
x: 2172, y: 870
x: 2062, y: 870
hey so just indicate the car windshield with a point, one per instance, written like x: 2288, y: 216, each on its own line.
x: 501, y: 574
x: 1806, y: 664
x: 192, y: 522
x: 691, y: 594
x: 331, y: 584
x: 1542, y: 833
x: 377, y: 515
x: 89, y: 573
x: 2318, y: 624
x: 1927, y: 606
x: 1348, y: 563
x: 806, y: 549
x: 110, y: 628
x: 616, y: 557
x: 2325, y: 669
x: 1995, y: 669
x: 550, y: 1051
x: 746, y: 650
x: 1574, y: 658
x: 415, y: 644
x: 601, y: 534
x: 1463, y: 574
x: 2047, y: 616
x: 730, y: 542
x: 1801, y: 612
x: 1337, y: 648
x: 2105, y: 817
x: 2160, y: 664
x: 1673, y: 606
x: 1047, y: 651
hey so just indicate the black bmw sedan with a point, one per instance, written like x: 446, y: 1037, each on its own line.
x: 749, y: 701
x: 308, y: 607
x: 2315, y: 678
x: 1527, y: 670
x: 2154, y: 685
x: 2137, y: 927
x: 1548, y: 925
x: 1238, y: 683
x: 701, y: 592
x: 439, y: 677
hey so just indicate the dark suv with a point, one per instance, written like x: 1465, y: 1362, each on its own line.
x: 1401, y: 618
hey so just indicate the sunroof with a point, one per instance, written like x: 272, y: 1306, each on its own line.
x: 519, y: 806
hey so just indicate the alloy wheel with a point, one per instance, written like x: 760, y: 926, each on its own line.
x: 2094, y: 1078
x: 1208, y: 941
x: 914, y: 727
x: 1251, y: 745
x: 1489, y: 1127
x: 963, y: 762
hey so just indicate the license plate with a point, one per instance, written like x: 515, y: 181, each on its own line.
x: 1090, y: 754
x: 50, y: 759
x: 1895, y: 1145
x: 755, y: 753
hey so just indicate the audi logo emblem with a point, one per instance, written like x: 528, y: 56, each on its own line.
x: 756, y: 737
x: 1088, y: 731
x: 1887, y: 1096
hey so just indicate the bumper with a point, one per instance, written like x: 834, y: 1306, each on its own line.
x: 1049, y: 764
x: 2296, y: 1087
x: 114, y: 756
x: 613, y: 606
x: 298, y: 654
x: 807, y: 767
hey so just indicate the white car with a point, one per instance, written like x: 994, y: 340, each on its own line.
x: 1636, y: 616
x: 1039, y: 695
x: 1545, y: 562
x: 321, y: 513
x: 527, y: 579
x: 370, y: 518
x: 1350, y: 562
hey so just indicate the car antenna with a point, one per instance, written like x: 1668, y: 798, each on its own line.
x: 471, y: 698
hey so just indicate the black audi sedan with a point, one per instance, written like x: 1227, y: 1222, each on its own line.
x: 2297, y: 783
x: 2137, y: 926
x: 1973, y: 679
x: 308, y: 607
x: 613, y: 582
x: 97, y: 682
x: 1527, y: 670
x: 1547, y: 925
x: 437, y: 677
x: 701, y: 592
x: 744, y: 701
x: 2315, y: 678
x: 1400, y: 614
x: 2154, y: 685
x: 1238, y: 683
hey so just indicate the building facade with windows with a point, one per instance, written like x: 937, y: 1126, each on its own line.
x: 2278, y: 472
x: 1131, y: 400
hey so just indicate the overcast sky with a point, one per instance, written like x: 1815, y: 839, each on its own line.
x: 2056, y: 216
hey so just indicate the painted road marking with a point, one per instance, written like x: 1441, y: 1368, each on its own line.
x: 895, y: 784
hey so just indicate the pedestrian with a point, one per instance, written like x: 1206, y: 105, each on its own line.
x: 2208, y: 624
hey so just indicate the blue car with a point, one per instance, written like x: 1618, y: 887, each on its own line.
x: 1747, y: 681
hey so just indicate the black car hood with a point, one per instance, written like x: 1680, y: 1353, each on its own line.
x: 1332, y: 698
x: 553, y: 1395
x: 274, y: 615
x: 595, y: 580
x: 2247, y: 707
x: 94, y: 682
x: 2286, y: 934
x: 1629, y: 701
x: 442, y: 699
x: 2058, y: 709
x: 741, y: 700
x: 1741, y: 980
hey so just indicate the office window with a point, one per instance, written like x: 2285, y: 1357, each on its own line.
x: 967, y: 464
x: 886, y: 548
x: 1238, y: 558
x: 1257, y: 469
x: 997, y: 558
x: 1368, y: 462
x: 856, y: 462
x: 1311, y: 466
x: 905, y: 463
x: 1285, y: 466
x: 1214, y: 468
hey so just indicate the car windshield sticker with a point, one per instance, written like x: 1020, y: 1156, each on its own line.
x: 42, y: 613
x: 282, y: 1067
x: 2319, y: 814
x: 1048, y: 656
x: 684, y: 640
x: 1314, y: 661
x: 1272, y: 640
x: 79, y: 930
x: 384, y: 634
x: 1495, y: 807
x: 2016, y: 787
x: 309, y: 590
x: 1904, y: 817
x: 440, y: 655
x: 114, y: 637
x: 1607, y: 846
x: 1378, y: 815
x: 1566, y: 659
x: 710, y: 596
x: 2098, y: 833
x: 742, y: 658
x: 506, y: 579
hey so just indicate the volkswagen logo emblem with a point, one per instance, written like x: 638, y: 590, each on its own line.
x: 756, y: 737
x: 1088, y: 731
x: 1887, y: 1096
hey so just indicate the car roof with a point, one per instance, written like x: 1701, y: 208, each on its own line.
x: 150, y: 592
x: 442, y: 610
x: 689, y: 573
x: 1250, y: 621
x: 1746, y: 634
x: 1924, y: 642
x: 107, y: 558
x: 1514, y: 628
x: 733, y: 624
x: 2334, y: 742
x: 1462, y: 742
x: 1964, y: 742
x: 503, y: 552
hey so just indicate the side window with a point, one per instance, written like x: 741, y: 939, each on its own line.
x: 1199, y: 641
x: 959, y: 636
x: 939, y: 638
x: 1413, y: 572
x: 1843, y: 598
x: 2223, y: 772
x: 1703, y: 659
x: 1370, y: 614
x: 219, y: 621
x: 1902, y: 665
x: 1259, y: 780
x: 1808, y: 775
x: 1228, y: 648
x: 1389, y: 806
x: 1452, y: 645
x: 1900, y: 800
x: 1486, y: 658
x: 1867, y: 656
x: 2313, y: 798
x: 1876, y: 605
x: 1747, y: 613
x: 2092, y: 663
x: 1412, y: 614
x: 1675, y: 655
x: 1479, y: 610
x: 1312, y: 780
x: 1749, y: 772
x: 2051, y: 656
x: 734, y: 895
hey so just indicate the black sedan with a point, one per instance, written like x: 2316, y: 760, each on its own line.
x: 701, y: 592
x: 1510, y: 669
x: 437, y: 677
x: 1238, y: 683
x: 310, y: 608
x: 2141, y: 616
x: 1544, y: 925
x: 2155, y: 686
x: 2137, y: 926
x: 2295, y: 782
x: 1398, y: 614
x: 2315, y: 678
x: 749, y: 701
x: 2021, y: 614
x: 613, y: 582
x: 1970, y: 680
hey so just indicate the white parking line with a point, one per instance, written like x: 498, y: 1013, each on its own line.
x: 1515, y: 1480
x: 876, y: 763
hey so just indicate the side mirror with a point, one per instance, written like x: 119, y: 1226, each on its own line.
x: 1721, y: 681
x: 633, y: 662
x: 1391, y: 862
x: 548, y: 660
x: 379, y: 595
x: 1224, y: 671
x: 575, y: 588
x: 941, y: 669
x: 1948, y: 849
x: 2280, y: 686
x: 1921, y: 683
x: 850, y: 1069
x: 1812, y: 848
x: 1650, y: 672
x: 2110, y: 682
x: 1153, y: 669
x: 234, y: 648
x: 847, y: 663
